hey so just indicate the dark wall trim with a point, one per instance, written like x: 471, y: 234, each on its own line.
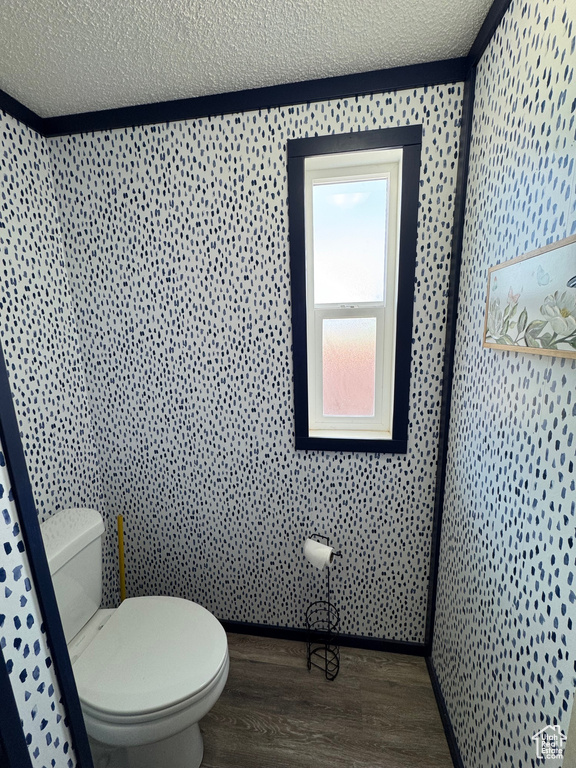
x: 30, y: 528
x: 20, y: 112
x: 410, y: 139
x: 350, y: 142
x: 13, y: 749
x: 441, y: 704
x: 451, y: 322
x: 346, y: 86
x: 486, y: 33
x: 291, y: 94
x: 487, y: 30
x: 345, y: 641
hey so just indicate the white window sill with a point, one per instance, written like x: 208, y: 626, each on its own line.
x: 350, y: 434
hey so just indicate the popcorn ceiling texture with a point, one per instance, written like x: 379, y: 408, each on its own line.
x: 83, y: 55
x: 504, y: 640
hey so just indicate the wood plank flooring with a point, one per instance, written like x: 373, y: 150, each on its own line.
x: 380, y: 712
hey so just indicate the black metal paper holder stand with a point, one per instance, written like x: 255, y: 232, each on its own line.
x: 323, y: 628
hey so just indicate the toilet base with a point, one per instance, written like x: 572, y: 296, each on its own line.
x: 105, y: 756
x: 183, y: 750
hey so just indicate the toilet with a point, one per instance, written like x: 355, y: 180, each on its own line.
x: 148, y: 671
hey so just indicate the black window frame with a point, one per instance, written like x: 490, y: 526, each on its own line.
x: 409, y: 139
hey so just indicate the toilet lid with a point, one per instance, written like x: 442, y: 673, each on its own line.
x: 152, y: 653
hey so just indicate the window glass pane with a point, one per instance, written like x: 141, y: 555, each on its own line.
x: 348, y: 366
x: 349, y: 229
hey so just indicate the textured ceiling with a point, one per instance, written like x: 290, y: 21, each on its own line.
x: 65, y: 56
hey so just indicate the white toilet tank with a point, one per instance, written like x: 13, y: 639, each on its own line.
x: 73, y: 544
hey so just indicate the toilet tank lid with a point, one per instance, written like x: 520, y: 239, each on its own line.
x: 67, y: 532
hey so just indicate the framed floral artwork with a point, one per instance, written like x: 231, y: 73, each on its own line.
x: 531, y: 302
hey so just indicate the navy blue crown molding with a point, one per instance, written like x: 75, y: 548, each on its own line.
x: 289, y: 95
x: 487, y: 30
x: 345, y: 86
x: 13, y: 107
x: 30, y: 529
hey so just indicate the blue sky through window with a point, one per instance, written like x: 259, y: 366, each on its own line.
x: 349, y: 225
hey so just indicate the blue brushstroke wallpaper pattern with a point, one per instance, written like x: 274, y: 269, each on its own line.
x: 146, y: 323
x: 24, y: 644
x: 504, y: 642
x: 176, y: 246
x: 38, y: 328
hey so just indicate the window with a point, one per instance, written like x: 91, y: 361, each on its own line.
x: 353, y: 213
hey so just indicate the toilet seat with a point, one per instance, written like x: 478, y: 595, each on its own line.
x: 114, y: 718
x: 154, y: 657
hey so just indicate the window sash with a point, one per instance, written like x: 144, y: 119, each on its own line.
x: 320, y: 170
x: 408, y: 140
x: 380, y: 421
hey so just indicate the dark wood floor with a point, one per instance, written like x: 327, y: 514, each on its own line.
x: 380, y: 712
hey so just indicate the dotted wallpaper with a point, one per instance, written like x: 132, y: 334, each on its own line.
x: 24, y: 644
x: 505, y: 642
x: 176, y: 244
x: 145, y: 318
x: 38, y: 329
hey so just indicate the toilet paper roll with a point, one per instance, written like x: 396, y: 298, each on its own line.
x: 320, y: 555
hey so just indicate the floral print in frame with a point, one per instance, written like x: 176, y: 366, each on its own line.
x: 531, y: 302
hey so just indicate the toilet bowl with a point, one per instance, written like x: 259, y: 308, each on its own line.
x: 149, y: 675
x: 146, y: 672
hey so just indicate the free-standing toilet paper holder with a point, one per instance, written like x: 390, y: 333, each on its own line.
x: 323, y: 628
